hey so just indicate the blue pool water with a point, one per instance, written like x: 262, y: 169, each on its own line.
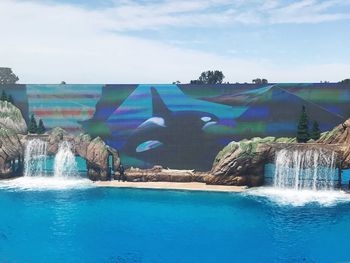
x: 126, y: 225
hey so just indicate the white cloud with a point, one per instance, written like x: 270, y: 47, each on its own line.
x: 50, y: 43
x: 136, y: 15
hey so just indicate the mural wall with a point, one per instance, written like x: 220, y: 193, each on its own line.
x: 181, y: 126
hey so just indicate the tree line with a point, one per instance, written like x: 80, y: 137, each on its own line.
x: 217, y: 77
x: 303, y: 134
x: 34, y: 127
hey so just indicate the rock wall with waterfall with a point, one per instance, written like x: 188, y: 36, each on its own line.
x: 242, y: 162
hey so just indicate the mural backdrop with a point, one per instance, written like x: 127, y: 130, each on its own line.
x: 181, y: 126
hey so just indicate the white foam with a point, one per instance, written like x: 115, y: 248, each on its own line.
x: 40, y: 183
x: 65, y: 165
x: 300, y: 197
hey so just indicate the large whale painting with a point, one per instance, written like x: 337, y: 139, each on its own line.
x: 159, y: 124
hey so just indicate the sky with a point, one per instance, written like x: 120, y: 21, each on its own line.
x: 161, y: 41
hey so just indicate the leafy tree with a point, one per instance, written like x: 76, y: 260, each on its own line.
x: 7, y: 76
x: 345, y: 82
x: 209, y: 77
x: 315, y: 131
x: 260, y: 81
x: 63, y: 82
x: 41, y: 128
x: 176, y: 82
x: 196, y: 81
x: 303, y: 129
x: 33, y: 127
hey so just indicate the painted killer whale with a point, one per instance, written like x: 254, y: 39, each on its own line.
x: 173, y: 138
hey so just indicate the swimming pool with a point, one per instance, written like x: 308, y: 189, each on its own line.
x: 91, y: 224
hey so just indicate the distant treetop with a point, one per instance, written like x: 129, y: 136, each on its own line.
x: 345, y: 81
x: 7, y: 76
x: 209, y: 77
x: 260, y: 81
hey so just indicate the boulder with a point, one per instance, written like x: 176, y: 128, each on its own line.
x: 242, y: 163
x: 11, y: 118
x: 97, y: 160
x: 11, y: 150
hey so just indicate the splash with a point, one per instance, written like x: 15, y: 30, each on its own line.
x: 292, y: 197
x: 303, y: 177
x: 35, y: 157
x: 38, y: 178
x: 44, y: 183
x: 65, y: 164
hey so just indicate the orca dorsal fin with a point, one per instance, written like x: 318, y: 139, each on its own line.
x: 158, y: 106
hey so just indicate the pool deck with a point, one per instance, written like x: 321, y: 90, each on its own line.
x: 172, y: 186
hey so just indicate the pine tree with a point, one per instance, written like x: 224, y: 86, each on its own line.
x: 3, y: 96
x: 41, y: 128
x: 303, y: 130
x: 315, y: 131
x: 33, y: 127
x: 10, y: 99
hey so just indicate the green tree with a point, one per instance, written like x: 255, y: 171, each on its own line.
x: 10, y: 99
x: 41, y: 128
x: 303, y: 129
x: 3, y: 96
x: 7, y: 76
x: 33, y: 127
x: 260, y: 81
x: 315, y: 131
x: 196, y: 81
x: 345, y: 82
x: 209, y: 77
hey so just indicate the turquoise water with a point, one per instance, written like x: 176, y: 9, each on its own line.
x: 126, y: 225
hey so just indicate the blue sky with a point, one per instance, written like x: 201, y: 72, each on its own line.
x: 161, y: 41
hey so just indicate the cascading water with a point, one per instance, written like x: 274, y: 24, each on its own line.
x: 312, y: 169
x: 302, y: 176
x: 36, y: 175
x: 35, y: 158
x: 65, y: 164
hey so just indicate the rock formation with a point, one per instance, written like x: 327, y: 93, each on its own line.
x: 11, y: 118
x: 159, y: 174
x: 13, y: 140
x: 12, y: 125
x: 242, y: 163
x: 11, y: 151
x: 94, y: 151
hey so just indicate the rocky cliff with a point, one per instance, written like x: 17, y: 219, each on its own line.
x: 11, y: 150
x: 11, y: 118
x: 12, y: 125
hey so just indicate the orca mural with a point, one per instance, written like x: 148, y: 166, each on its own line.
x: 181, y: 126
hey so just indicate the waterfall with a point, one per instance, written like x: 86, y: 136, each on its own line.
x: 35, y: 158
x: 312, y: 169
x: 65, y: 164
